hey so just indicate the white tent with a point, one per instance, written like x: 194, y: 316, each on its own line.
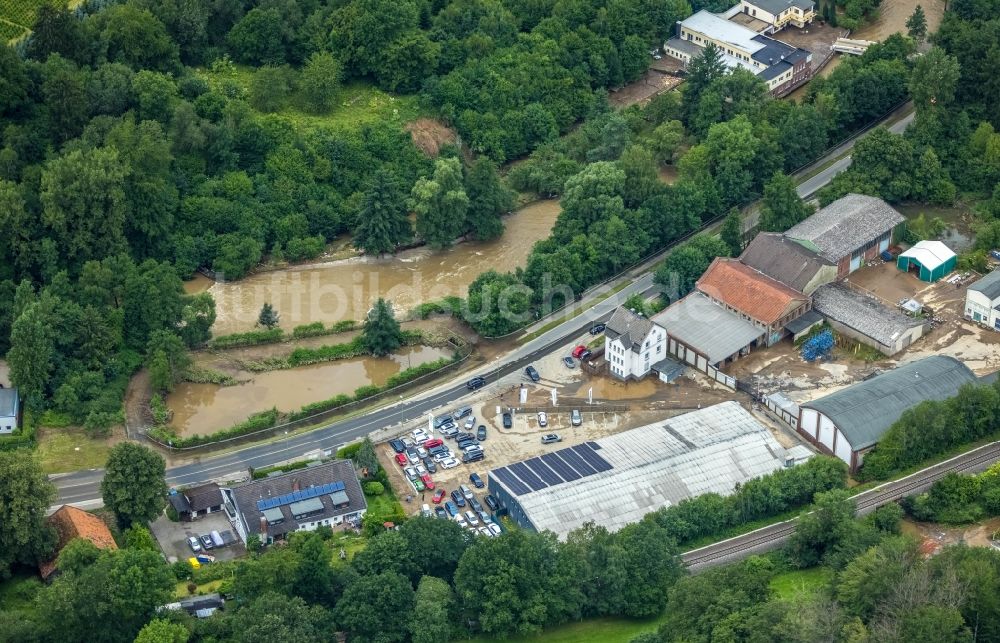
x: 930, y: 254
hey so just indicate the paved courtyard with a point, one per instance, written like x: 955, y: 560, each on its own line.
x: 173, y: 536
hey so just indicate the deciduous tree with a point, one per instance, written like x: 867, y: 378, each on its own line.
x: 782, y: 207
x: 25, y: 497
x: 441, y: 204
x: 134, y: 484
x: 489, y: 199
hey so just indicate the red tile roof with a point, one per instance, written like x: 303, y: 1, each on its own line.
x: 71, y: 523
x: 749, y: 291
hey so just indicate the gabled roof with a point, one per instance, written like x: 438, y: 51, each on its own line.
x: 8, y: 402
x: 845, y: 225
x: 71, y: 523
x: 864, y: 411
x: 862, y: 313
x: 775, y: 7
x: 749, y: 291
x: 988, y: 285
x: 628, y: 327
x: 203, y: 496
x: 784, y: 260
x: 929, y: 254
x: 707, y: 327
x: 272, y: 487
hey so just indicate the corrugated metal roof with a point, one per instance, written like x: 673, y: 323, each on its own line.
x: 658, y: 465
x: 707, y: 327
x: 988, y: 285
x: 866, y: 410
x: 864, y: 314
x: 846, y: 225
x: 749, y: 291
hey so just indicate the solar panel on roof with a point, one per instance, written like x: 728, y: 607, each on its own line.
x: 297, y: 496
x: 592, y: 458
x: 514, y: 485
x: 543, y: 471
x: 565, y: 471
x: 527, y: 475
x: 593, y: 445
x: 575, y: 461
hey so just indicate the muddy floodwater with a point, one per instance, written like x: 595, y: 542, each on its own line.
x: 206, y: 408
x: 892, y: 17
x: 345, y: 289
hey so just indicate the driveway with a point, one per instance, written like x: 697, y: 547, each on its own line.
x: 173, y: 536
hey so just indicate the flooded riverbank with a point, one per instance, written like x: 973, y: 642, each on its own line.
x: 206, y: 408
x: 959, y: 235
x: 345, y: 289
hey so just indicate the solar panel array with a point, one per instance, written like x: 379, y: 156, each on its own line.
x: 550, y: 469
x: 296, y: 496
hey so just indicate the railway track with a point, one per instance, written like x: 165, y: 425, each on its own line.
x: 773, y: 536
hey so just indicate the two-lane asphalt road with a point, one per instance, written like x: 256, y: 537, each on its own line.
x: 83, y: 487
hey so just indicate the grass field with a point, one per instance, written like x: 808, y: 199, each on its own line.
x: 70, y: 449
x: 605, y: 630
x: 801, y: 582
x: 357, y: 103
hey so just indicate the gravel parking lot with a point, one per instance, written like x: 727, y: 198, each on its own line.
x: 173, y: 536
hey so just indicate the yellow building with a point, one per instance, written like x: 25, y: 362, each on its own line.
x: 780, y: 13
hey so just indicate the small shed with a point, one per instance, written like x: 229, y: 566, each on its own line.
x: 929, y: 260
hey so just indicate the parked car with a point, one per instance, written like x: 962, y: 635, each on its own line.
x: 419, y: 436
x: 462, y: 412
x: 483, y: 531
x: 418, y: 484
x: 410, y: 473
x: 597, y: 329
x: 421, y: 469
x: 425, y: 511
x: 407, y: 441
x: 451, y: 508
x: 397, y: 445
x: 472, y: 448
x: 430, y: 444
x: 549, y: 438
x: 575, y: 418
x: 485, y: 517
x: 206, y: 542
x: 581, y: 352
x: 543, y: 420
x: 439, y: 512
x: 465, y: 442
x: 475, y: 383
x: 194, y: 544
x: 476, y: 505
x: 473, y: 456
x: 430, y: 464
x: 532, y: 373
x: 441, y: 420
x: 481, y: 432
x: 412, y: 456
x: 466, y: 491
x: 442, y: 456
x: 460, y: 519
x: 449, y: 463
x: 401, y: 459
x: 428, y: 481
x: 470, y: 423
x: 508, y: 421
x: 476, y: 481
x: 450, y: 431
x: 494, y: 529
x: 421, y: 452
x: 657, y: 57
x: 458, y: 498
x: 568, y: 361
x: 438, y: 496
x: 491, y: 502
x: 471, y: 517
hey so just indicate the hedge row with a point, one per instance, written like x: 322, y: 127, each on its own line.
x: 24, y: 438
x: 451, y: 306
x: 276, y: 335
x: 284, y: 468
x: 256, y: 422
x: 317, y: 329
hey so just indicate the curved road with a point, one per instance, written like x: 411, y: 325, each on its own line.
x: 82, y: 488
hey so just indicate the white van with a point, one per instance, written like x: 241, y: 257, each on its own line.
x: 426, y: 510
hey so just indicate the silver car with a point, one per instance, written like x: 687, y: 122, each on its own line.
x: 575, y: 418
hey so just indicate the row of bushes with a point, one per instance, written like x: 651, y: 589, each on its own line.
x: 256, y: 422
x: 451, y: 306
x: 276, y: 335
x: 331, y: 352
x: 957, y: 499
x: 711, y: 515
x: 407, y: 375
x: 25, y: 437
x: 282, y: 468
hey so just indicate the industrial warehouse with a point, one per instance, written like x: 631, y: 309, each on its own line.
x: 616, y: 480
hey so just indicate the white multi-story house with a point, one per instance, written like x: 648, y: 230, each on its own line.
x: 780, y: 13
x: 982, y: 301
x: 633, y: 344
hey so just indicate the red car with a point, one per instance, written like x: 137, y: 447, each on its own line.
x: 401, y: 459
x: 428, y: 482
x: 438, y: 496
x: 436, y: 442
x: 581, y: 352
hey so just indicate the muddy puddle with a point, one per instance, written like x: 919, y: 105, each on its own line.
x: 958, y: 235
x: 330, y: 292
x: 206, y: 408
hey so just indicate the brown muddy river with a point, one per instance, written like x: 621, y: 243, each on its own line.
x: 334, y: 291
x: 206, y: 408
